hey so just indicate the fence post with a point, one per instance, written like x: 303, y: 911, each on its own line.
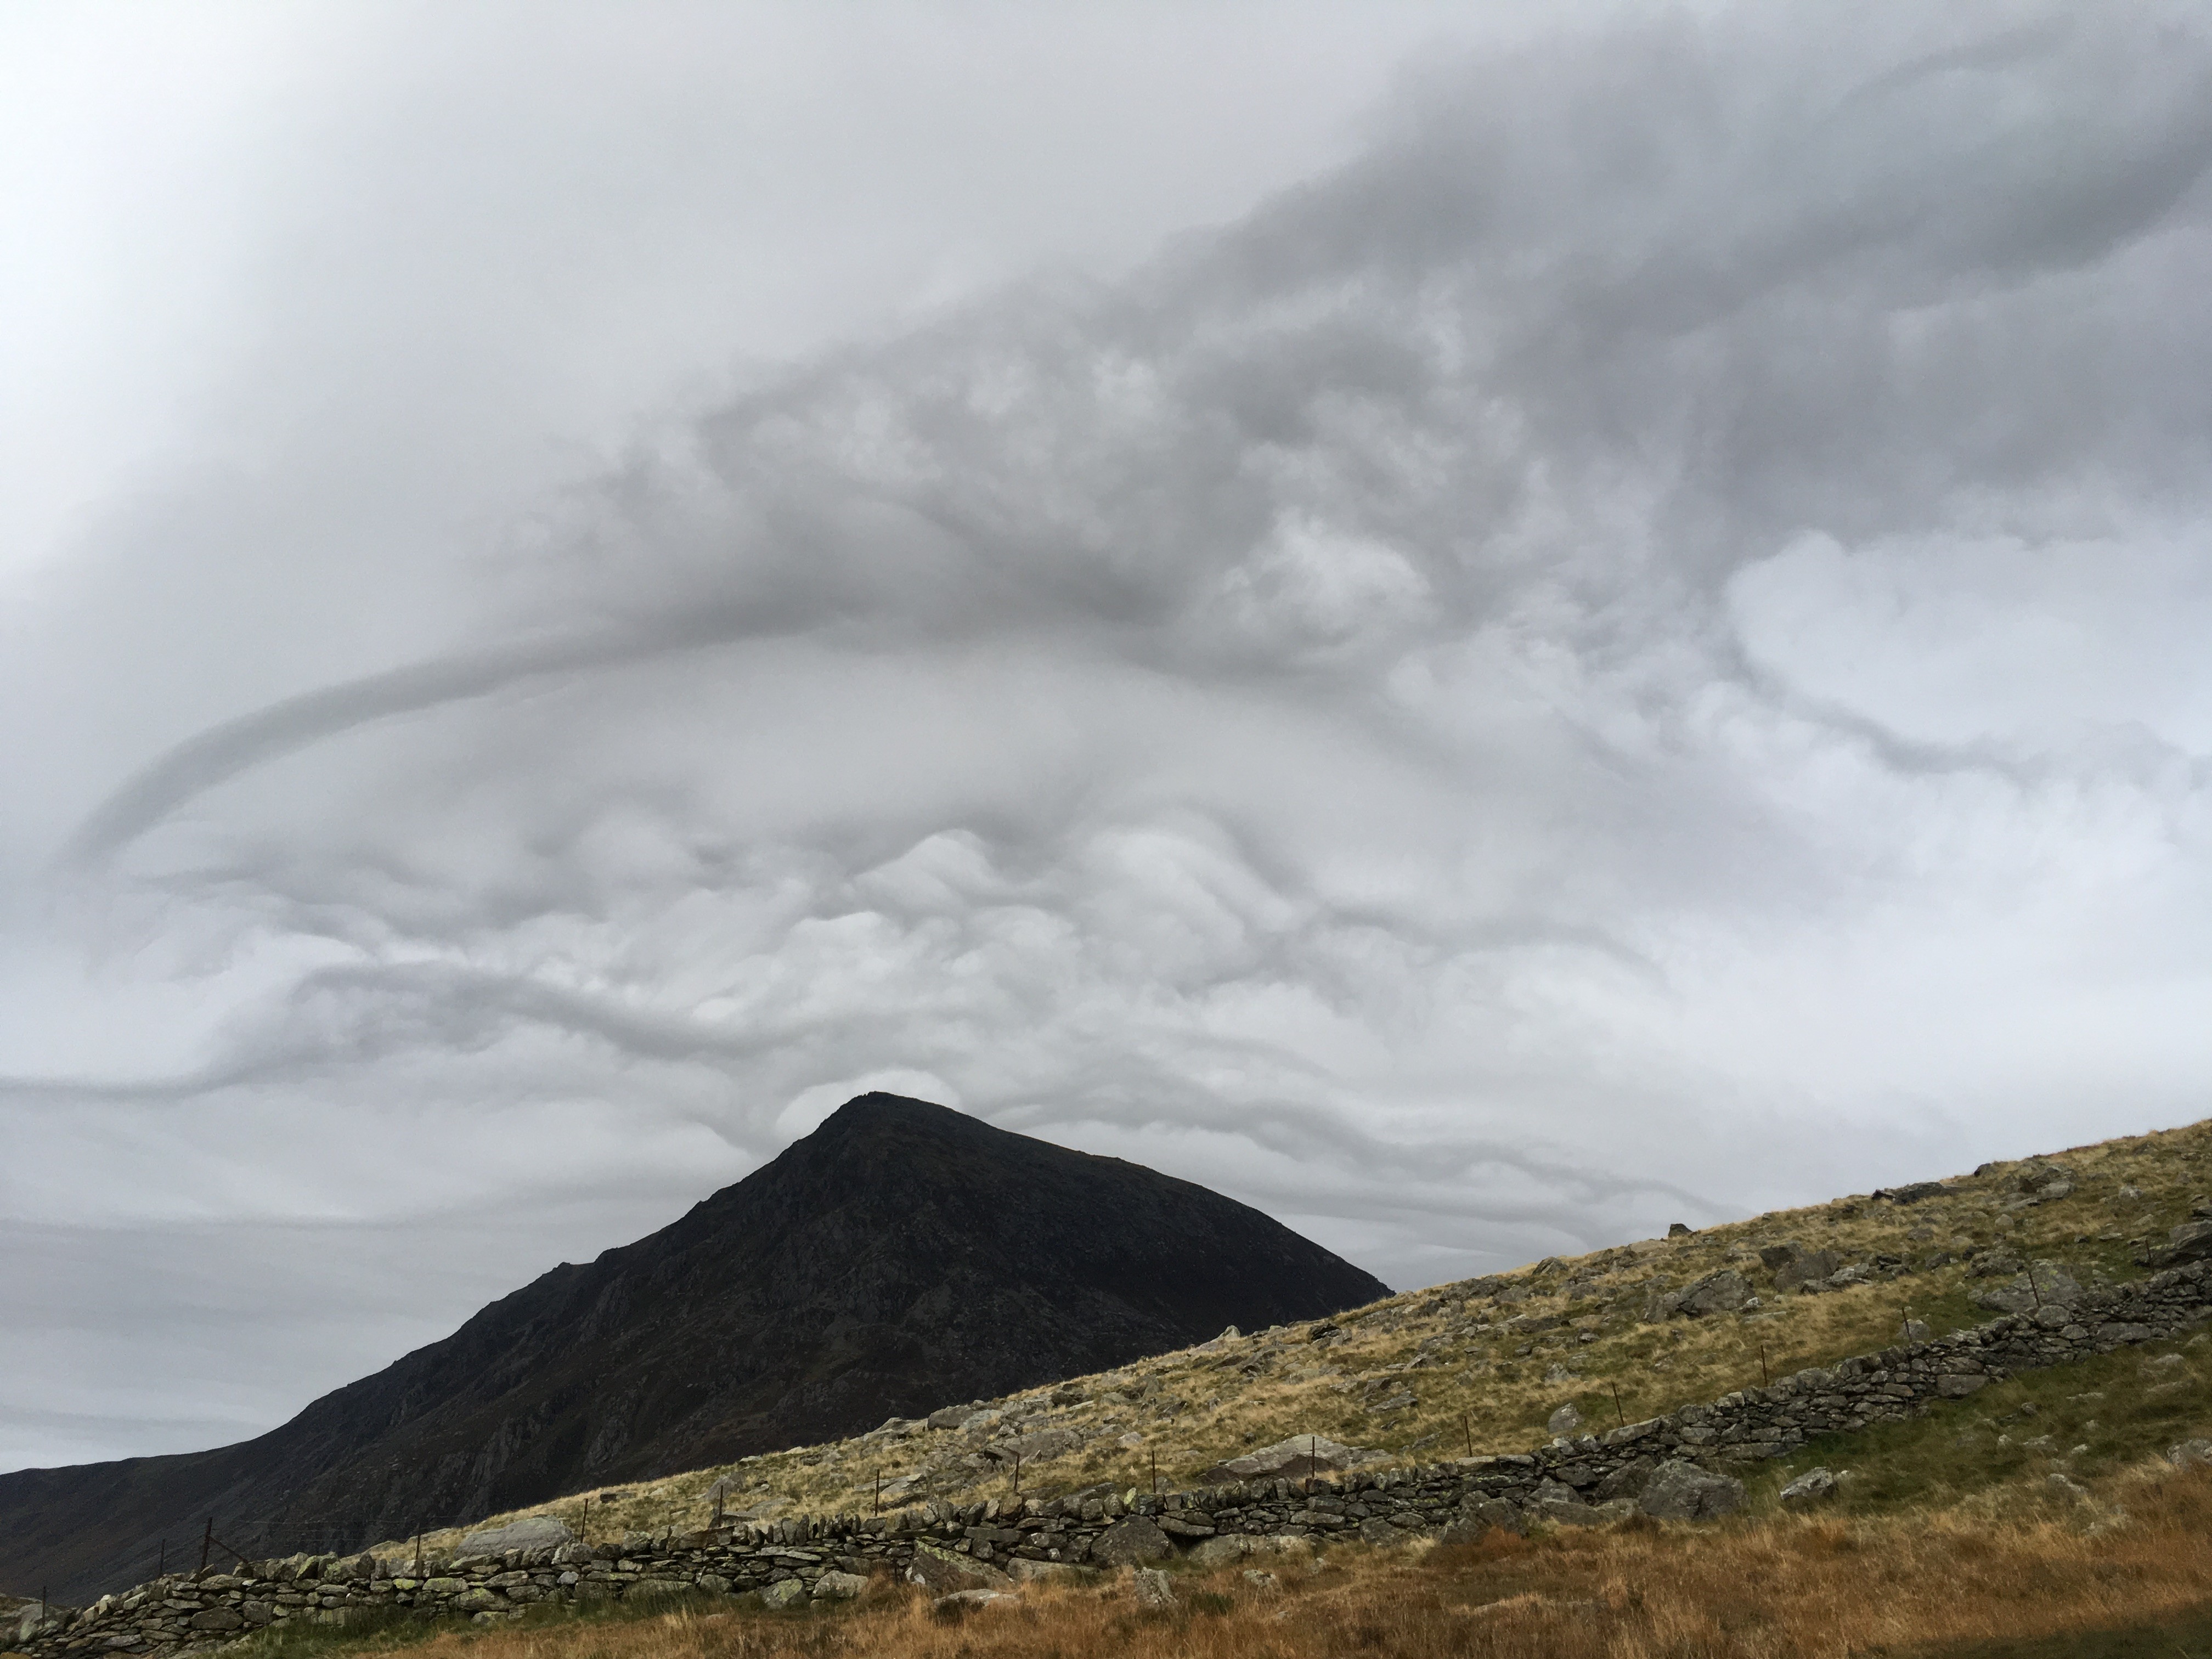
x: 207, y: 1543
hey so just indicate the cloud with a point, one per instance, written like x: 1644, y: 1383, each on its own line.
x: 1624, y: 654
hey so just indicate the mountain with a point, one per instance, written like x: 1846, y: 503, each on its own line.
x: 900, y: 1258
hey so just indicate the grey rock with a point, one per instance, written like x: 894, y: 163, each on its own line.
x: 1678, y: 1230
x: 948, y: 1417
x: 944, y: 1570
x: 1295, y: 1458
x: 1680, y: 1491
x: 2191, y: 1242
x: 1716, y: 1292
x: 1912, y: 1192
x: 1220, y: 1551
x: 1128, y: 1542
x: 2045, y: 1285
x: 1806, y: 1266
x: 1569, y: 1511
x: 1478, y: 1515
x: 839, y: 1586
x: 217, y: 1619
x: 2189, y: 1453
x: 1263, y: 1583
x: 1957, y: 1385
x: 784, y: 1593
x: 1565, y: 1420
x: 1628, y: 1481
x: 530, y: 1533
x: 1913, y: 1331
x: 1154, y: 1588
x: 1036, y: 1447
x: 1810, y: 1488
x: 963, y: 1600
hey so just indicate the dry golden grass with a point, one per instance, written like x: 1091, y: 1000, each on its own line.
x: 1788, y: 1585
x: 1480, y: 1384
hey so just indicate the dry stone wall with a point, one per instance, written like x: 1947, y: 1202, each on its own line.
x: 1671, y: 1466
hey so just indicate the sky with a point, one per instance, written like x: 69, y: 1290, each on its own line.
x: 1484, y: 626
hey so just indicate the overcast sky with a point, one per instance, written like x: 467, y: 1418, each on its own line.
x: 1485, y: 627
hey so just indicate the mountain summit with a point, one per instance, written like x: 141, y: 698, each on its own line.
x: 901, y: 1257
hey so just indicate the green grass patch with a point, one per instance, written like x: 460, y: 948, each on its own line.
x: 2081, y: 1420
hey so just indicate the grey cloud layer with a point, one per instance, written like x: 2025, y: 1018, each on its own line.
x: 1327, y: 715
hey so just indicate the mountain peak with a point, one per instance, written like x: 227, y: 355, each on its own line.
x: 901, y: 1257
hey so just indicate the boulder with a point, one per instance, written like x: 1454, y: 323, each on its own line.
x: 784, y: 1593
x: 839, y: 1586
x: 1566, y: 1512
x: 1912, y: 1192
x: 1478, y: 1515
x: 1153, y: 1589
x: 948, y: 1417
x: 1295, y: 1458
x: 2191, y: 1454
x: 1565, y: 1420
x: 1957, y: 1385
x: 1628, y: 1481
x: 1717, y: 1292
x: 960, y: 1600
x: 1810, y: 1488
x: 944, y: 1570
x: 1805, y: 1266
x: 1680, y: 1491
x: 2045, y: 1285
x: 2191, y: 1242
x: 1128, y: 1542
x: 532, y: 1532
x: 1221, y: 1551
x: 1036, y: 1447
x: 1261, y: 1584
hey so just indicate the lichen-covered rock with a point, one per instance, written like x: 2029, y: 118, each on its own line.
x: 784, y: 1593
x: 1810, y: 1488
x: 944, y: 1570
x: 839, y: 1586
x: 1154, y: 1588
x: 1130, y: 1542
x: 1680, y: 1491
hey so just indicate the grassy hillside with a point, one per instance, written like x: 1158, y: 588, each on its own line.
x: 1482, y: 1365
x: 2019, y: 1570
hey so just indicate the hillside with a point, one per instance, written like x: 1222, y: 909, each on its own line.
x: 1483, y: 1364
x: 2055, y: 1503
x: 900, y: 1256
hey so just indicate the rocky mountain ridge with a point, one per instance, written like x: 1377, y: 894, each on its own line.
x: 900, y: 1256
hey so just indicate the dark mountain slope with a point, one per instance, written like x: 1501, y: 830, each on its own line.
x: 901, y: 1257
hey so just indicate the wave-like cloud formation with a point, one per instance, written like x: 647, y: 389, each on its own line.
x: 1630, y: 654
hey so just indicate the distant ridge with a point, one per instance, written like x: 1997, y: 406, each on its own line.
x: 901, y: 1257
